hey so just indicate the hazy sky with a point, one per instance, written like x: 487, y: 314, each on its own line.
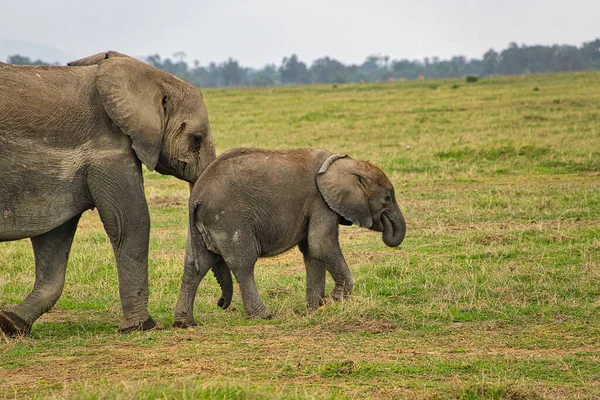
x: 259, y: 32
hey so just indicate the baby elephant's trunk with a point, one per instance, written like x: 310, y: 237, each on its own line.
x: 394, y: 228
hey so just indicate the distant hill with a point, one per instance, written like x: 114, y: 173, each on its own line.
x: 32, y: 50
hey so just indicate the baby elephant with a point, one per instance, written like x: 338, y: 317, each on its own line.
x: 251, y: 202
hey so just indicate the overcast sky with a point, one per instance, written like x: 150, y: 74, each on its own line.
x: 259, y: 32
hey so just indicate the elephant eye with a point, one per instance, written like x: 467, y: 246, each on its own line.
x: 196, y: 141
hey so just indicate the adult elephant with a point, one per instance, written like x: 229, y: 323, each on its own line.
x: 74, y: 138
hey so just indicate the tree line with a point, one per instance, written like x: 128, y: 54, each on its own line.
x: 513, y: 60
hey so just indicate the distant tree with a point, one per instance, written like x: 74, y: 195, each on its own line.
x: 407, y: 69
x: 231, y: 72
x: 568, y: 58
x: 327, y: 70
x: 22, y: 60
x: 474, y: 67
x: 179, y: 68
x: 200, y: 76
x: 180, y: 55
x: 214, y: 75
x: 512, y: 60
x: 536, y: 59
x: 432, y: 68
x: 590, y: 52
x: 386, y: 60
x: 293, y: 71
x: 268, y: 76
x: 491, y: 59
x: 371, y: 64
x: 374, y: 68
x: 458, y: 66
x: 353, y: 74
x: 154, y: 60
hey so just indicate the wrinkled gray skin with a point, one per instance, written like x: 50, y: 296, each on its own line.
x: 251, y: 203
x: 74, y: 138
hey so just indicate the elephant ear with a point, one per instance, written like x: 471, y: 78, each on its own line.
x: 132, y: 97
x: 96, y: 58
x: 342, y: 188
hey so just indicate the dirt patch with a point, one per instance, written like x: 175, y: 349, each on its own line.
x: 373, y: 326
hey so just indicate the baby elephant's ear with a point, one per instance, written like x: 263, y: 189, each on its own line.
x: 342, y: 188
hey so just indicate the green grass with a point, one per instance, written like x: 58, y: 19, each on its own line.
x: 494, y: 294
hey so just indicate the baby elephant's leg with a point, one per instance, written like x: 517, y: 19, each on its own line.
x: 315, y: 279
x: 243, y: 269
x: 323, y: 245
x: 342, y: 277
x: 193, y: 272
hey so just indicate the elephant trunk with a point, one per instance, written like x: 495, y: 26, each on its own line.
x: 202, y: 159
x: 394, y: 229
x: 207, y: 156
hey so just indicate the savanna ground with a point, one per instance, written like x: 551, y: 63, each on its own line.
x: 495, y: 292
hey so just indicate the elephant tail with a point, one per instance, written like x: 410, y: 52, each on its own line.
x: 223, y: 275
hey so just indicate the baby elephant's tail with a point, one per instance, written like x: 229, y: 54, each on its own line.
x: 223, y: 275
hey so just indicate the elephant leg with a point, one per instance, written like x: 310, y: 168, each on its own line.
x: 323, y: 245
x: 119, y: 196
x: 51, y: 252
x: 343, y: 279
x: 243, y: 269
x: 194, y: 269
x: 315, y: 279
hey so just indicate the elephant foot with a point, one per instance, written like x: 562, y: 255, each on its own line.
x: 265, y: 313
x: 183, y: 324
x: 337, y: 298
x: 184, y: 319
x: 312, y: 307
x: 144, y: 326
x: 13, y: 325
x: 224, y: 303
x: 341, y: 292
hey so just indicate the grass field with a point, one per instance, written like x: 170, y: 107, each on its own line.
x: 495, y: 292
